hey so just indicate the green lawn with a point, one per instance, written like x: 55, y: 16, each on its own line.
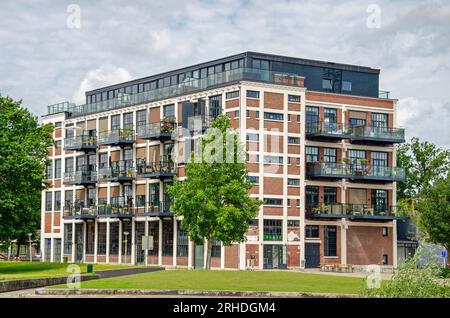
x: 22, y: 270
x: 232, y: 280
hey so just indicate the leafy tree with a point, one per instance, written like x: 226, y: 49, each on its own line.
x: 23, y: 152
x: 424, y: 163
x: 214, y: 199
x: 434, y: 213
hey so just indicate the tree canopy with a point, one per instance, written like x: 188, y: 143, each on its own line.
x: 23, y: 152
x: 214, y: 199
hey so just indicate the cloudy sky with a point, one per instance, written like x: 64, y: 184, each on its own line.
x: 45, y: 60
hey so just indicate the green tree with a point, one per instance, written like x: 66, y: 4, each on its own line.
x: 434, y: 213
x: 214, y: 199
x: 424, y: 164
x: 23, y: 152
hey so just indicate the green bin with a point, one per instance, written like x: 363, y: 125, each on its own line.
x: 90, y: 268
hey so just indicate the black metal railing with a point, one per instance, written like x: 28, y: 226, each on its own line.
x: 367, y: 133
x: 83, y: 142
x: 85, y: 175
x: 119, y: 170
x: 155, y: 169
x: 350, y: 210
x: 80, y: 209
x: 116, y: 137
x: 158, y: 130
x: 326, y: 129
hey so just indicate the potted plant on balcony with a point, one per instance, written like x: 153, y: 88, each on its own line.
x: 167, y: 125
x: 325, y: 209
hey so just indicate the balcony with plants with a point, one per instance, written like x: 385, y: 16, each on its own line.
x: 152, y: 208
x: 354, y: 211
x: 161, y: 130
x: 79, y: 210
x: 119, y: 171
x: 121, y: 207
x: 85, y: 142
x: 325, y: 131
x: 162, y: 169
x: 376, y: 134
x: 117, y: 137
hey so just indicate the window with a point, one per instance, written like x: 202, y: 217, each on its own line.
x: 312, y: 231
x: 273, y: 116
x: 167, y: 246
x: 90, y: 237
x: 252, y: 94
x: 385, y: 259
x: 379, y: 120
x: 68, y: 197
x: 312, y: 118
x: 294, y: 98
x: 297, y: 161
x: 153, y: 194
x: 253, y: 179
x: 294, y: 140
x: 49, y: 170
x: 57, y: 200
x: 293, y: 223
x: 252, y: 137
x: 141, y: 120
x: 327, y: 84
x: 215, y: 106
x: 379, y: 159
x: 128, y: 154
x: 329, y: 155
x: 48, y: 201
x: 57, y: 250
x: 330, y: 115
x: 260, y: 64
x: 329, y: 195
x: 114, y: 238
x: 247, y: 112
x: 68, y: 238
x: 101, y: 243
x: 236, y: 114
x: 293, y: 182
x: 58, y: 124
x: 356, y: 156
x: 231, y: 95
x: 153, y: 230
x: 70, y: 133
x: 273, y: 201
x: 128, y: 121
x: 182, y: 240
x: 346, y: 86
x: 312, y: 154
x: 273, y: 160
x: 115, y: 122
x: 103, y: 160
x: 57, y: 144
x: 298, y: 118
x: 379, y: 200
x: 330, y: 248
x: 57, y: 168
x: 215, y: 248
x: 257, y: 114
x: 169, y: 110
x: 385, y: 231
x: 273, y: 230
x: 352, y: 122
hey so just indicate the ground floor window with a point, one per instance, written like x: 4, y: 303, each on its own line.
x: 57, y: 250
x: 330, y: 241
x: 48, y: 250
x: 167, y: 248
x: 312, y: 231
x: 67, y: 238
x: 126, y: 239
x: 101, y: 243
x: 90, y: 237
x: 114, y: 238
x: 153, y: 230
x: 216, y: 248
x: 182, y: 241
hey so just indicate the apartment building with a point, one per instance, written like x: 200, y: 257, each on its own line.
x: 320, y: 140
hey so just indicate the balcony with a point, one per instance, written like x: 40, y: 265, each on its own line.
x: 161, y: 131
x: 326, y: 131
x: 198, y: 123
x: 120, y: 207
x: 156, y: 170
x: 120, y: 171
x: 353, y: 211
x: 355, y: 172
x: 85, y: 176
x: 80, y: 211
x: 84, y: 143
x: 119, y: 137
x: 376, y: 134
x: 156, y: 208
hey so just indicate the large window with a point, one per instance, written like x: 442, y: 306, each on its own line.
x: 153, y: 230
x: 312, y: 118
x: 128, y: 120
x: 141, y: 120
x: 215, y: 249
x: 329, y: 155
x: 169, y: 110
x: 215, y: 106
x: 103, y: 160
x: 57, y: 200
x: 379, y: 120
x: 90, y: 237
x: 115, y: 122
x: 68, y: 197
x: 67, y: 238
x: 379, y: 159
x: 330, y: 248
x: 57, y: 168
x: 69, y: 165
x: 49, y: 170
x: 153, y: 194
x: 329, y: 195
x: 330, y: 115
x: 167, y: 246
x: 182, y: 241
x: 273, y: 230
x: 114, y: 238
x: 312, y: 231
x: 356, y: 156
x: 101, y: 243
x: 48, y: 201
x: 380, y: 199
x: 312, y: 154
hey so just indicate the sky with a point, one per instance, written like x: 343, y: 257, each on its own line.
x: 53, y: 51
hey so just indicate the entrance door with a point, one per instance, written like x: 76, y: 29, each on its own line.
x: 79, y: 242
x: 198, y: 256
x: 139, y: 232
x: 274, y: 257
x: 312, y: 255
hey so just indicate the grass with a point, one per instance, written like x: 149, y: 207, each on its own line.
x: 23, y: 270
x: 232, y: 280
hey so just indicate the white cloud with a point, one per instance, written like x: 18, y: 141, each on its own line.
x: 100, y: 77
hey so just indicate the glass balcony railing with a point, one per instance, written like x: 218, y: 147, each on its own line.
x: 158, y: 131
x: 116, y: 137
x: 354, y: 171
x: 85, y: 176
x: 119, y: 171
x: 382, y: 134
x: 189, y: 85
x: 80, y: 143
x: 154, y: 208
x: 339, y: 210
x: 326, y: 130
x: 158, y: 169
x: 199, y: 122
x: 80, y: 210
